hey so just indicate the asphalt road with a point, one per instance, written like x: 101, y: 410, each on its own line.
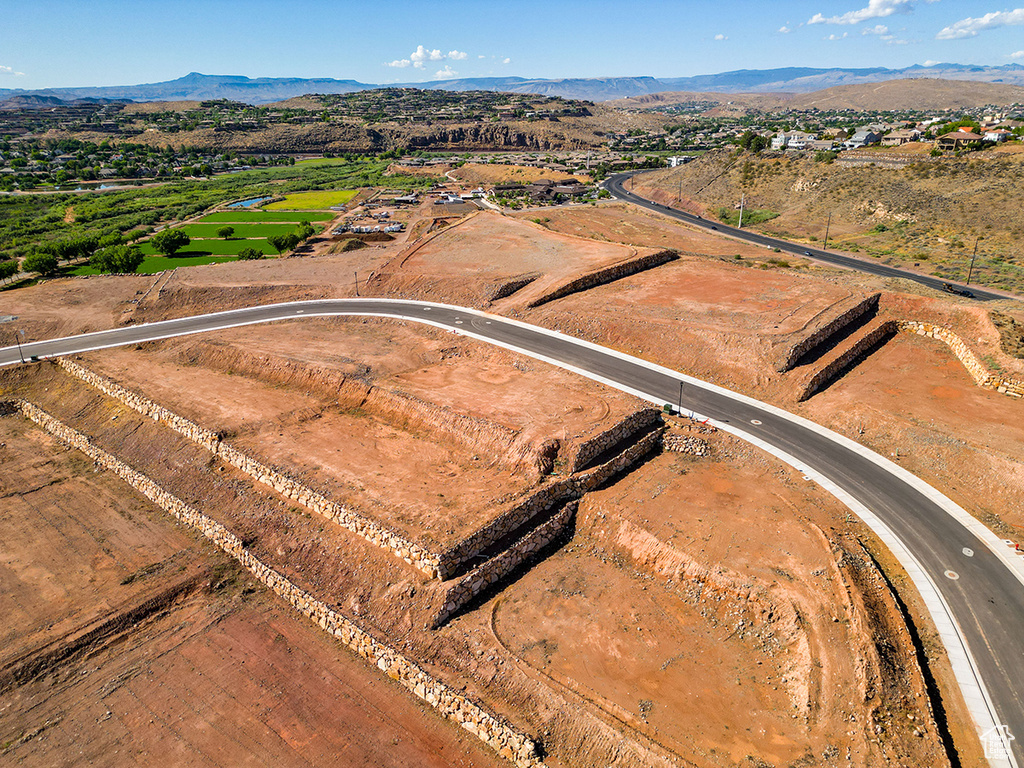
x: 986, y: 600
x: 617, y: 186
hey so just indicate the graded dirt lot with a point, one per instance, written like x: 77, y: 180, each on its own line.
x: 137, y: 642
x: 472, y: 261
x: 711, y: 611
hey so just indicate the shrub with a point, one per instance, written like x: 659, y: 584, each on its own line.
x: 250, y: 254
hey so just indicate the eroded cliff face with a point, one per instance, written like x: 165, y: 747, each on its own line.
x: 341, y: 137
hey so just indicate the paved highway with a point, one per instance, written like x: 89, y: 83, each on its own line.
x: 617, y: 186
x: 971, y: 582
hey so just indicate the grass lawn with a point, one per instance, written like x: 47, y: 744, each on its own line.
x: 154, y: 264
x: 243, y: 216
x: 215, y: 247
x: 318, y: 200
x: 242, y: 230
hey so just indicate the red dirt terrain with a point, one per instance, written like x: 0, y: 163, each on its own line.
x: 128, y: 640
x: 710, y: 610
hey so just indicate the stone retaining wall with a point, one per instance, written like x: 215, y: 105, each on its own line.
x: 831, y: 371
x: 607, y: 275
x: 511, y: 286
x: 608, y: 439
x: 372, y: 531
x: 978, y: 370
x: 549, y: 496
x: 500, y: 736
x: 685, y: 444
x: 805, y: 345
x: 493, y: 570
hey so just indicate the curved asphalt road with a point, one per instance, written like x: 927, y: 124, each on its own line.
x: 927, y: 532
x: 617, y: 186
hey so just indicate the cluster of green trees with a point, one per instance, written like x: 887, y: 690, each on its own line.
x: 283, y: 243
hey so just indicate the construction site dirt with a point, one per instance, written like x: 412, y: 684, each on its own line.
x: 710, y: 610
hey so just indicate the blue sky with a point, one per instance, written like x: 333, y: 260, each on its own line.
x: 54, y: 43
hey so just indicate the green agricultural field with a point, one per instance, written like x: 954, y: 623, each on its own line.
x: 153, y: 264
x: 313, y: 201
x: 318, y: 161
x: 242, y: 230
x: 215, y: 247
x: 253, y: 216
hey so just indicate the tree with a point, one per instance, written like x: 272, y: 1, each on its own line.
x: 304, y: 231
x: 41, y: 262
x: 120, y: 259
x: 73, y: 248
x: 168, y: 241
x: 250, y: 254
x: 8, y: 269
x: 753, y: 142
x: 282, y: 243
x: 225, y: 232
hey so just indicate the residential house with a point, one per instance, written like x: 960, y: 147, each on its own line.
x: 961, y: 139
x: 791, y: 140
x: 897, y: 138
x: 997, y: 135
x: 862, y: 138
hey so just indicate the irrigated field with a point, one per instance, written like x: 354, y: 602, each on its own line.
x: 317, y: 200
x: 243, y: 230
x: 259, y: 215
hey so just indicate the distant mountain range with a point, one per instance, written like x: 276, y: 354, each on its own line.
x: 264, y: 90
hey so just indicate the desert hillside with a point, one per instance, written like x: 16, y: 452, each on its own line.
x: 901, y: 207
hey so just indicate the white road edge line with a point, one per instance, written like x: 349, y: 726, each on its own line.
x: 965, y: 668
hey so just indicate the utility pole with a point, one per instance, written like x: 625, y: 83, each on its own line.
x: 827, y: 225
x: 680, y: 398
x: 17, y: 338
x: 357, y: 282
x: 743, y: 199
x: 679, y: 195
x: 973, y: 256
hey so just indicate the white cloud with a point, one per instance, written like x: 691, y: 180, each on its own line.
x: 930, y: 63
x: 876, y: 9
x: 835, y: 37
x: 970, y: 27
x: 481, y: 56
x: 878, y: 29
x: 9, y: 71
x: 1017, y: 55
x: 457, y: 55
x: 447, y: 72
x: 721, y: 37
x: 400, y: 63
x: 506, y: 61
x: 421, y: 55
x: 785, y: 30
